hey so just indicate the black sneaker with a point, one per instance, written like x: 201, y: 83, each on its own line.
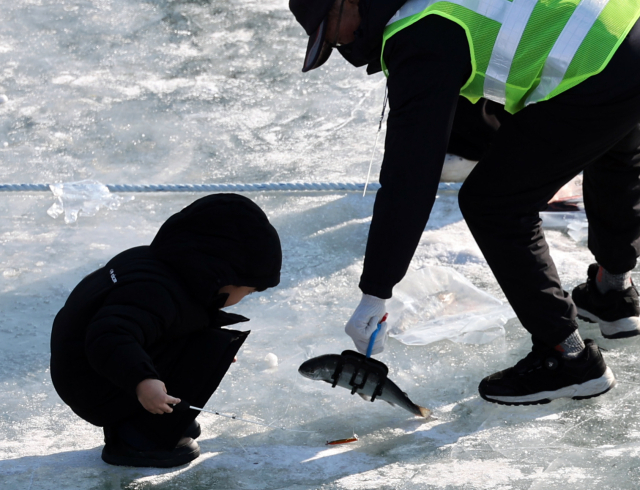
x: 119, y: 453
x: 545, y: 375
x: 616, y: 312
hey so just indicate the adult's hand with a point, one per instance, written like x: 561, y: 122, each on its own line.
x: 364, y: 322
x: 152, y: 395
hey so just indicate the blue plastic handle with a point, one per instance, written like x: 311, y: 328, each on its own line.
x: 372, y: 340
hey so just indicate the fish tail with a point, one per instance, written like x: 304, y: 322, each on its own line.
x: 423, y: 412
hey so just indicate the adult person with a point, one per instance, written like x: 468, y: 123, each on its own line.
x: 569, y: 72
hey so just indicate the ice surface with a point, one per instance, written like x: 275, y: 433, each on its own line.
x: 185, y: 91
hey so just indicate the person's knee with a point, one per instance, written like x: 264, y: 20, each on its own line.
x: 485, y: 210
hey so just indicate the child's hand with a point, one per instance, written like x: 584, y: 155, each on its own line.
x: 152, y: 395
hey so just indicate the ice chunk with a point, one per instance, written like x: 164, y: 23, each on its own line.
x: 271, y: 360
x: 437, y: 303
x: 85, y: 196
x: 573, y: 222
x: 579, y: 230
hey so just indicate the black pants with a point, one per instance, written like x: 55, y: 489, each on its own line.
x: 191, y: 369
x: 595, y: 128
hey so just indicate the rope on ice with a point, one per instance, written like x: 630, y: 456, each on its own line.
x: 264, y: 187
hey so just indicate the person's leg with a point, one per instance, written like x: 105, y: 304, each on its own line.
x: 609, y: 297
x: 613, y: 210
x: 191, y: 368
x: 535, y: 153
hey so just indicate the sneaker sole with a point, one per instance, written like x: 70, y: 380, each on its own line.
x: 588, y: 389
x: 619, y: 329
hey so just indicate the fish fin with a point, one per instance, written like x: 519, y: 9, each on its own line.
x: 366, y: 398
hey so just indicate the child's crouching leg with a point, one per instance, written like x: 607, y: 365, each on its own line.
x: 191, y: 368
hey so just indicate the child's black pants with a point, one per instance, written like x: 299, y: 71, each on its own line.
x: 191, y: 368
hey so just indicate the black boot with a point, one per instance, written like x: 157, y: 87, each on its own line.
x: 193, y: 431
x: 127, y: 447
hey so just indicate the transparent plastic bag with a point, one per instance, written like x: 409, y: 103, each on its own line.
x: 84, y: 197
x: 437, y: 303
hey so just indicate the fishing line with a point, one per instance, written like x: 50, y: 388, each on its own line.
x: 234, y: 417
x: 384, y: 106
x: 237, y: 441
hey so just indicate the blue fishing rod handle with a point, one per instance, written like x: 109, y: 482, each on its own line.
x: 372, y: 340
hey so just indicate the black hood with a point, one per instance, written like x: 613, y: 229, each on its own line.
x: 220, y: 240
x: 367, y: 46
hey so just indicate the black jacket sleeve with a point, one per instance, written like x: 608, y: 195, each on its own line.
x: 428, y: 63
x: 131, y: 319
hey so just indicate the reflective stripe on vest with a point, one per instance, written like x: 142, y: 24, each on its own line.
x: 563, y: 51
x: 513, y: 15
x: 512, y: 18
x: 492, y: 9
x: 504, y: 50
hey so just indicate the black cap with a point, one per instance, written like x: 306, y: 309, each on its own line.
x: 312, y: 15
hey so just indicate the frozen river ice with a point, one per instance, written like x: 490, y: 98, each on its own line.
x: 211, y: 92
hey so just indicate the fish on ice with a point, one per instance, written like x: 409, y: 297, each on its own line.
x: 362, y: 375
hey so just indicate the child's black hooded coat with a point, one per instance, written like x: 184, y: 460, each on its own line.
x: 151, y: 307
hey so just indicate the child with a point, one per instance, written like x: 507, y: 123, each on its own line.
x: 143, y: 332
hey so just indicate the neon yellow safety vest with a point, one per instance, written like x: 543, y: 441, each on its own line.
x: 527, y: 51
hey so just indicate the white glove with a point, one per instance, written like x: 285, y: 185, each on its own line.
x: 364, y: 322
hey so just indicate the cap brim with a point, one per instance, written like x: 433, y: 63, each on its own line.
x: 318, y: 51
